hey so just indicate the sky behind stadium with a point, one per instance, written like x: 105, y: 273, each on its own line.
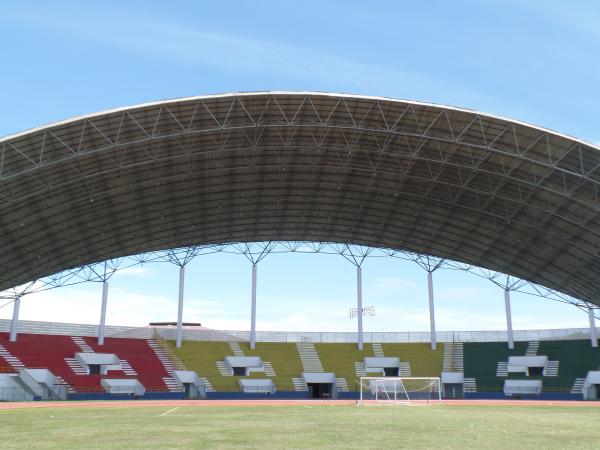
x: 528, y: 60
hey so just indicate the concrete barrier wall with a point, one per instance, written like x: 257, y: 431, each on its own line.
x: 69, y: 329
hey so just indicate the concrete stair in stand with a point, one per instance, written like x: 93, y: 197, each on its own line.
x: 378, y: 351
x: 532, y: 348
x: 60, y: 381
x: 161, y: 355
x: 75, y: 366
x: 80, y: 342
x: 502, y: 369
x: 453, y: 357
x: 470, y: 385
x: 551, y: 369
x: 404, y: 370
x: 269, y: 371
x: 207, y: 384
x: 359, y: 369
x: 299, y: 385
x: 309, y: 357
x: 236, y: 349
x: 170, y: 381
x: 12, y: 360
x: 224, y: 369
x: 172, y: 384
x: 342, y: 385
x: 577, y: 387
x: 127, y: 369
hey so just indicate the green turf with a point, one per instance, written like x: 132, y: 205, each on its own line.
x: 347, y: 427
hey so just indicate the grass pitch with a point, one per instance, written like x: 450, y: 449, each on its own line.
x: 319, y: 426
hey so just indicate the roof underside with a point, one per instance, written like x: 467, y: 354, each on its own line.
x: 302, y: 167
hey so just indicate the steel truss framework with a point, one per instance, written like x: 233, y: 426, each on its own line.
x: 284, y: 167
x: 255, y: 252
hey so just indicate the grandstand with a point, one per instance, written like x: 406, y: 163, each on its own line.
x: 443, y: 187
x: 66, y: 356
x: 81, y: 368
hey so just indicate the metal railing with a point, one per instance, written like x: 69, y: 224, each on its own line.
x: 168, y: 333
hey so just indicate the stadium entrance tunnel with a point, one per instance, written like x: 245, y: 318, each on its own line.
x: 320, y: 390
x: 453, y: 391
x: 302, y: 166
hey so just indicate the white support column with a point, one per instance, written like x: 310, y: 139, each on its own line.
x: 509, y: 329
x: 359, y: 308
x: 102, y: 326
x: 179, y: 333
x: 14, y: 325
x: 593, y: 334
x: 431, y: 311
x: 253, y: 310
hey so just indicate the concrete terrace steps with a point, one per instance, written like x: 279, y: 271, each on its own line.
x: 309, y: 357
x: 342, y: 385
x: 207, y: 384
x: 378, y: 351
x: 502, y: 369
x: 269, y: 371
x: 172, y: 384
x: 60, y: 381
x: 80, y: 342
x: 12, y: 360
x: 299, y: 385
x: 126, y: 368
x: 76, y: 366
x: 224, y: 369
x: 551, y: 369
x: 404, y: 370
x: 359, y: 369
x: 532, y: 348
x: 470, y: 385
x: 577, y: 387
x: 453, y: 357
x: 161, y: 355
x: 236, y: 349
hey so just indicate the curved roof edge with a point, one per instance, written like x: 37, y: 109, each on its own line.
x: 283, y: 92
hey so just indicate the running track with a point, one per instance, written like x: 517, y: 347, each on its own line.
x: 237, y: 403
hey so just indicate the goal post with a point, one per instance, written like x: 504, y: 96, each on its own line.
x: 401, y: 389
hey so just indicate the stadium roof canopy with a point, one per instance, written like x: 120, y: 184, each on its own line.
x: 302, y: 166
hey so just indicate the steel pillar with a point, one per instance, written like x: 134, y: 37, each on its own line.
x: 593, y: 334
x: 102, y: 326
x: 359, y: 308
x: 509, y: 329
x: 179, y: 334
x: 14, y: 325
x: 431, y: 311
x: 253, y: 310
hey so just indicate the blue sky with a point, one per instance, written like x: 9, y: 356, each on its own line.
x: 529, y: 60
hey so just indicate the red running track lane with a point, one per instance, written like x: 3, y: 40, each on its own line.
x: 237, y: 403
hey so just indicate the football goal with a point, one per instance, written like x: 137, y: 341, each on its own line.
x: 401, y: 389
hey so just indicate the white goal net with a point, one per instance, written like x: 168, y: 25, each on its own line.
x: 400, y: 389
